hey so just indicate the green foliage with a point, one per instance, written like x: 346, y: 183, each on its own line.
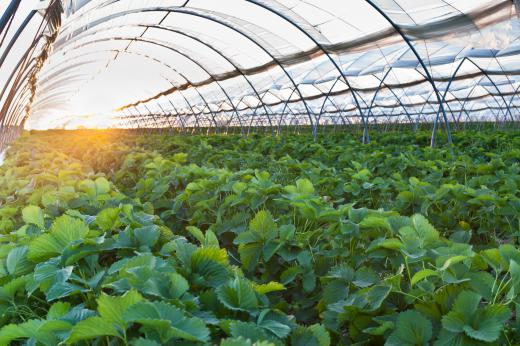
x: 223, y: 240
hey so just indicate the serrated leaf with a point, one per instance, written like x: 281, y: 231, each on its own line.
x: 422, y: 274
x: 168, y: 321
x: 248, y: 330
x: 91, y: 328
x: 112, y: 308
x: 321, y: 334
x: 26, y: 330
x: 64, y: 231
x: 33, y: 215
x: 264, y: 225
x: 412, y: 328
x: 17, y: 263
x: 250, y: 255
x: 238, y: 294
x: 365, y: 277
x: 108, y: 219
x: 422, y: 232
x: 488, y: 323
x: 196, y: 233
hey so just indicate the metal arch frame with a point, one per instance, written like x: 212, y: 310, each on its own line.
x: 499, y: 107
x: 153, y: 117
x: 515, y: 93
x: 447, y: 103
x: 243, y: 34
x: 17, y: 35
x: 176, y: 51
x: 485, y: 74
x: 224, y: 57
x: 157, y: 61
x: 183, y: 76
x: 328, y: 98
x: 381, y: 83
x: 22, y: 62
x: 17, y: 71
x: 211, y: 47
x: 168, y: 67
x: 11, y: 76
x: 444, y: 101
x: 182, y: 54
x: 366, y: 137
x: 379, y: 48
x: 12, y: 111
x: 397, y: 28
x: 471, y: 91
x: 261, y: 105
x: 286, y: 106
x: 321, y: 95
x: 9, y: 13
x: 172, y: 127
x: 19, y: 87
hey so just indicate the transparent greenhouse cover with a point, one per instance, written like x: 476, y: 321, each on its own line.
x: 244, y: 63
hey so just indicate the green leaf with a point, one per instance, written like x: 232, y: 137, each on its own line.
x: 248, y: 330
x: 264, y: 225
x: 102, y: 185
x: 64, y: 231
x: 108, y: 219
x: 112, y: 308
x: 237, y: 342
x: 91, y: 328
x: 17, y: 263
x: 269, y: 287
x: 179, y: 285
x: 423, y: 232
x: 238, y: 294
x: 494, y: 259
x: 168, y: 321
x: 144, y: 342
x: 468, y: 318
x: 304, y: 186
x: 321, y: 334
x: 196, y: 233
x: 451, y: 261
x: 250, y: 255
x: 423, y: 274
x: 33, y: 215
x: 514, y: 271
x: 376, y: 222
x: 9, y: 290
x: 488, y: 323
x: 147, y: 235
x: 464, y: 307
x: 365, y: 277
x: 26, y: 330
x: 57, y: 310
x: 412, y: 328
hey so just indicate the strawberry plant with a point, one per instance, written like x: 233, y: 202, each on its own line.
x: 122, y: 239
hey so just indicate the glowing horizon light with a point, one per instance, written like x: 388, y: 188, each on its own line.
x: 72, y: 122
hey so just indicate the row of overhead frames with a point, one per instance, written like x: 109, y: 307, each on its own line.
x: 277, y: 64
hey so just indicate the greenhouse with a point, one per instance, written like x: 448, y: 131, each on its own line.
x: 259, y: 172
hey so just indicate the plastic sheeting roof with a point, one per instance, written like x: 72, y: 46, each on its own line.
x: 242, y: 63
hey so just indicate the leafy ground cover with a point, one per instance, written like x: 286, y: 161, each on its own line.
x: 113, y: 238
